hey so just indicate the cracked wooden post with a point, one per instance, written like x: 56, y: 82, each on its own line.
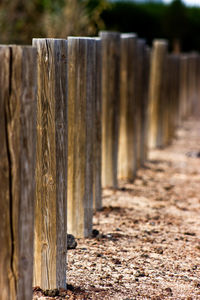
x: 127, y: 123
x: 51, y: 165
x: 155, y: 93
x: 97, y: 198
x: 110, y: 106
x: 81, y: 93
x: 18, y: 84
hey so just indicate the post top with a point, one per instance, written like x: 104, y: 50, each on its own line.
x: 47, y: 39
x: 160, y: 42
x: 141, y: 42
x: 128, y: 35
x: 80, y: 38
x: 109, y: 34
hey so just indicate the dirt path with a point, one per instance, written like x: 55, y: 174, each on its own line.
x: 149, y: 242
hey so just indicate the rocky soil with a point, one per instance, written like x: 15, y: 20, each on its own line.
x: 148, y: 246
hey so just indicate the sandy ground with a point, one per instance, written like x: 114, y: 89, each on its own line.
x: 149, y: 241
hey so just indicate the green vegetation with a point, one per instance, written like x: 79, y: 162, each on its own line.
x: 20, y: 20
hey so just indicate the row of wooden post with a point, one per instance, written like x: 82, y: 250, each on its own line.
x: 75, y: 113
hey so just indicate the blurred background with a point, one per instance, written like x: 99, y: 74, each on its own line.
x: 178, y: 21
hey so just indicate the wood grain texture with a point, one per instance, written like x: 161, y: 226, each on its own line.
x: 51, y: 165
x: 97, y: 82
x: 110, y: 106
x: 18, y: 111
x: 7, y: 276
x: 155, y: 93
x: 127, y: 115
x: 81, y: 93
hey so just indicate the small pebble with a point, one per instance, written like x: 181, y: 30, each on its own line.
x: 95, y: 233
x: 71, y: 242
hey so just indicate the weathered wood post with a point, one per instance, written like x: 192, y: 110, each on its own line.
x: 194, y: 65
x: 81, y: 94
x: 139, y: 99
x: 18, y: 85
x: 183, y: 86
x: 173, y: 94
x: 110, y: 106
x: 51, y: 165
x: 147, y: 59
x: 191, y: 83
x: 171, y: 99
x: 198, y: 86
x: 187, y: 110
x: 97, y: 127
x: 142, y: 101
x: 127, y: 137
x: 177, y: 90
x: 167, y: 94
x: 159, y: 55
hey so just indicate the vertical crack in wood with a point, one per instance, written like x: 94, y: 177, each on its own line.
x: 7, y: 120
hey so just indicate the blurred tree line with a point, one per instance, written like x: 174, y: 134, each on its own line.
x: 21, y: 20
x: 175, y: 22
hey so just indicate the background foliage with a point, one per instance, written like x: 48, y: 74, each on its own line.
x: 21, y: 20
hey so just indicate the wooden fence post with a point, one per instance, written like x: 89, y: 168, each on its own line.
x: 183, y: 86
x: 51, y: 165
x: 142, y: 103
x: 171, y: 98
x: 97, y: 127
x: 155, y: 93
x: 81, y: 93
x: 177, y: 90
x: 191, y: 83
x: 173, y: 94
x: 194, y: 65
x: 127, y: 115
x: 18, y: 86
x: 110, y: 106
x: 198, y: 86
x: 167, y: 93
x: 147, y: 59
